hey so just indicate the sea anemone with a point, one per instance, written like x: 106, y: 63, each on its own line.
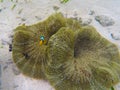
x: 29, y: 50
x: 82, y: 60
x: 70, y: 56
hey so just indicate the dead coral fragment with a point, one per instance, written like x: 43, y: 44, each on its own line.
x: 82, y: 60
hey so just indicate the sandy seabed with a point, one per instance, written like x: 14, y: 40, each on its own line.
x: 13, y: 14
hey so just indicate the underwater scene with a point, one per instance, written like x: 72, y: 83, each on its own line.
x: 59, y: 44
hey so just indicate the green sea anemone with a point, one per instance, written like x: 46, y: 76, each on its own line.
x: 29, y: 51
x: 70, y: 56
x: 82, y: 60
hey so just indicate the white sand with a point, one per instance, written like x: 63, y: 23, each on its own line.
x: 9, y: 19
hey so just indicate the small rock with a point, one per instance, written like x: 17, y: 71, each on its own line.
x: 5, y: 67
x: 86, y: 21
x: 0, y: 10
x: 92, y: 12
x: 15, y: 70
x: 13, y: 6
x: 23, y: 19
x: 15, y: 86
x: 37, y: 17
x: 115, y: 36
x: 104, y: 20
x: 10, y: 47
x: 56, y: 8
x: 20, y: 11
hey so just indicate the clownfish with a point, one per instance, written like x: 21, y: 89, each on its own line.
x: 42, y: 40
